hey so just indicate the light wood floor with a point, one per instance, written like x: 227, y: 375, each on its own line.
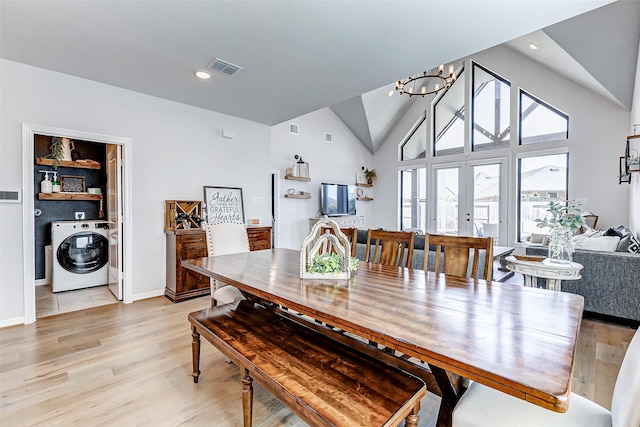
x: 130, y: 364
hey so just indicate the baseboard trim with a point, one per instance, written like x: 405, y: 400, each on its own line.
x: 12, y: 322
x: 146, y: 295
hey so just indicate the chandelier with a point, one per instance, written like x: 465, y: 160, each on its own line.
x: 427, y: 83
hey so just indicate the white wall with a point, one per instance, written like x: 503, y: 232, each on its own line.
x: 177, y: 149
x: 336, y: 162
x: 597, y: 133
x: 634, y: 189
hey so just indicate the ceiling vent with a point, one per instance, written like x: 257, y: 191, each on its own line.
x: 225, y: 67
x: 328, y: 138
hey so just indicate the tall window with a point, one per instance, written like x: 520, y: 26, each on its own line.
x: 541, y: 179
x: 448, y: 117
x: 540, y: 122
x: 415, y: 145
x: 491, y: 110
x: 413, y: 210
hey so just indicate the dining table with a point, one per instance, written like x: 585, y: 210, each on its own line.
x: 519, y: 340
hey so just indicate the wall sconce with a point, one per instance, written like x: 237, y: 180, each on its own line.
x: 632, y: 154
x: 623, y: 176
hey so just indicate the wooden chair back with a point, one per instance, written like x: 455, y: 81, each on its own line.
x: 457, y: 252
x: 390, y: 247
x: 223, y: 239
x: 352, y: 235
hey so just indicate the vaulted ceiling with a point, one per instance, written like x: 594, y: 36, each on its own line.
x: 300, y: 56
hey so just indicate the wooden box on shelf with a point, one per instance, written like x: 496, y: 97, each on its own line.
x: 190, y: 209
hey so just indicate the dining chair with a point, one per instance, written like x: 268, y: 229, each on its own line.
x: 352, y: 236
x: 393, y: 248
x: 454, y: 253
x: 484, y: 406
x: 590, y: 219
x: 222, y: 239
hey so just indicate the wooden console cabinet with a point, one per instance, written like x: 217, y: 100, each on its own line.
x: 183, y: 284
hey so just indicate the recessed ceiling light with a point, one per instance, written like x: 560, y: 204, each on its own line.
x: 533, y: 46
x: 202, y: 75
x: 391, y: 93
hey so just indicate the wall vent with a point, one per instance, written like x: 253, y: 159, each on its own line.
x: 328, y: 137
x: 294, y: 129
x: 225, y: 67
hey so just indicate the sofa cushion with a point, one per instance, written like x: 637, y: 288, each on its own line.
x: 603, y: 243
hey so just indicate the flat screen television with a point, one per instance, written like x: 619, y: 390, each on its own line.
x: 337, y: 199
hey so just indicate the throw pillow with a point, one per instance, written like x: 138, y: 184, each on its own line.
x: 604, y: 243
x: 634, y: 245
x: 591, y: 232
x: 612, y: 232
x: 623, y: 245
x: 537, y: 238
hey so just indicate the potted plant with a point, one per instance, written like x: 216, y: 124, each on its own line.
x: 565, y: 220
x: 370, y: 175
x: 60, y: 150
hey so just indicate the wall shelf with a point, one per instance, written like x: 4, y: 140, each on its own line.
x: 363, y: 185
x: 297, y: 196
x: 69, y: 196
x: 364, y: 199
x: 297, y: 178
x: 69, y: 164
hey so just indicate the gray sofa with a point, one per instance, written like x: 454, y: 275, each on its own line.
x: 610, y: 282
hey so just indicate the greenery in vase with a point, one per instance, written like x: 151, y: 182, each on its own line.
x: 566, y: 219
x: 329, y: 263
x: 56, y: 151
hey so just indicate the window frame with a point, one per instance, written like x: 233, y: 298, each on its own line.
x: 421, y: 120
x: 561, y: 113
x: 494, y: 145
x: 518, y: 195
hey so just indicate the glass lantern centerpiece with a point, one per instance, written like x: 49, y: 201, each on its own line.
x: 565, y: 220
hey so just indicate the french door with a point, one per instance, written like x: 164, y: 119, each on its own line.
x: 470, y: 199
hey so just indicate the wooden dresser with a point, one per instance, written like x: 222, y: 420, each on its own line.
x: 183, y: 284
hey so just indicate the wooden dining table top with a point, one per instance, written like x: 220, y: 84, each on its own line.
x: 512, y: 338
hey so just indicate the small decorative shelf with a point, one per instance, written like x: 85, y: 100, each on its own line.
x: 297, y: 178
x: 297, y: 196
x: 80, y: 164
x: 364, y: 199
x: 69, y: 196
x: 364, y: 185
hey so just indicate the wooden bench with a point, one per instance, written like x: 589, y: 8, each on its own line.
x: 324, y: 382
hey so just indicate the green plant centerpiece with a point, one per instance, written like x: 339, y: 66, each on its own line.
x: 325, y: 253
x: 330, y: 263
x: 564, y: 220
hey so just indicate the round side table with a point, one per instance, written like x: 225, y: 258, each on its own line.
x: 555, y: 273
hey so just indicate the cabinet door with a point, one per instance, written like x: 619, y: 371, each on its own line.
x: 192, y: 246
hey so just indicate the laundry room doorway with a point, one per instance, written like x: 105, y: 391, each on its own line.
x: 90, y: 212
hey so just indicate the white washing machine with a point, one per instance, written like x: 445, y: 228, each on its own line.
x: 80, y: 254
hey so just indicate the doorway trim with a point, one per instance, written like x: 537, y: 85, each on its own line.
x: 28, y: 229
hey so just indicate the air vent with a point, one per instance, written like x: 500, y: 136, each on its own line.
x: 328, y: 137
x: 293, y: 129
x: 225, y: 67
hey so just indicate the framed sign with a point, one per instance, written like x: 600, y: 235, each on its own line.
x: 72, y: 184
x: 223, y: 204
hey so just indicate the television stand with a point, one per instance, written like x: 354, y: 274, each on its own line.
x: 345, y: 221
